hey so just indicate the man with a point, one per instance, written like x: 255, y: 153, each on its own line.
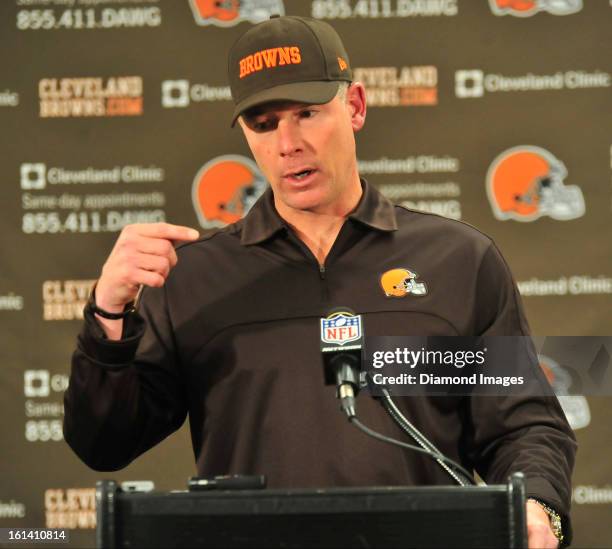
x: 226, y: 330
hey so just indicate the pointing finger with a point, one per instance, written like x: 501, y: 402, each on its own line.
x: 168, y: 231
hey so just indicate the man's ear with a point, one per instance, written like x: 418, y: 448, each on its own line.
x: 356, y: 100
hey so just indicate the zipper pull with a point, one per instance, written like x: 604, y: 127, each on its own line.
x: 322, y: 272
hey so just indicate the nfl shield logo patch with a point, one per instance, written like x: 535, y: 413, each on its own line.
x: 340, y: 328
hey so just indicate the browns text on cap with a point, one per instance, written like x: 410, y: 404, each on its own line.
x: 287, y: 59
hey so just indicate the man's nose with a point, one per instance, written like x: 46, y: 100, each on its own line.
x: 289, y: 137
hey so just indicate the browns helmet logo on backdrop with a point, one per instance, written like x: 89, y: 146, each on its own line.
x: 525, y: 183
x: 227, y: 13
x: 527, y: 8
x: 224, y: 190
x: 575, y: 407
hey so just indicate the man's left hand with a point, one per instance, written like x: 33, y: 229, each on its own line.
x: 539, y: 531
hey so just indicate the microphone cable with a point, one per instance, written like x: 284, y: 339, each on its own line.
x: 346, y: 395
x: 403, y: 422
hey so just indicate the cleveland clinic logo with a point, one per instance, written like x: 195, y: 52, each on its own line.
x: 527, y: 8
x: 33, y: 176
x: 227, y: 13
x: 178, y: 94
x: 469, y: 83
x: 36, y: 383
x: 175, y: 93
x: 41, y: 383
x: 473, y: 83
x: 225, y: 189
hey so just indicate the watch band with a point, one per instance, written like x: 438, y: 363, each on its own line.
x: 91, y: 303
x: 554, y: 517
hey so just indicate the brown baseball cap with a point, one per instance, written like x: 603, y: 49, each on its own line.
x: 287, y: 59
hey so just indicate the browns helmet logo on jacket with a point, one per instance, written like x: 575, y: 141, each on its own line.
x: 225, y: 189
x: 401, y: 282
x: 525, y: 183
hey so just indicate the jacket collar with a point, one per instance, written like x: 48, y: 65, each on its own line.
x: 263, y: 221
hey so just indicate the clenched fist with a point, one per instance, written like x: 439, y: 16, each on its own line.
x: 142, y: 255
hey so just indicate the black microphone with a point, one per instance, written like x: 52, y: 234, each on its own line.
x: 342, y: 342
x: 342, y: 348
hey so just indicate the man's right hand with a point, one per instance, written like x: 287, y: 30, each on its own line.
x: 143, y: 255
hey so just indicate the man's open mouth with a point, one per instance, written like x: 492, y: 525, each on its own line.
x: 302, y: 174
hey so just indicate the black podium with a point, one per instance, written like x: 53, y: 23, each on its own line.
x: 433, y: 516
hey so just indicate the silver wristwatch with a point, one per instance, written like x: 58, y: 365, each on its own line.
x: 555, y: 519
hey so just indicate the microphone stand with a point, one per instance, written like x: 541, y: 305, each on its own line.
x: 347, y: 383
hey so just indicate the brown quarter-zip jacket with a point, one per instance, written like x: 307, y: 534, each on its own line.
x: 232, y: 339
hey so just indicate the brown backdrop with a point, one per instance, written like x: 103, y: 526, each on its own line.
x: 116, y: 111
